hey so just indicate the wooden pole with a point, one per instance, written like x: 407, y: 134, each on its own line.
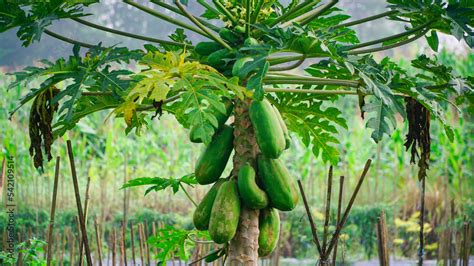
x: 140, y: 238
x: 52, y: 213
x: 421, y: 249
x: 382, y: 240
x: 99, y: 243
x: 466, y: 244
x: 86, y: 208
x: 132, y: 243
x: 328, y: 211
x: 124, y: 231
x: 338, y: 218
x: 310, y: 218
x: 114, y: 239
x: 78, y: 203
x: 71, y: 254
x: 145, y: 241
x: 343, y: 220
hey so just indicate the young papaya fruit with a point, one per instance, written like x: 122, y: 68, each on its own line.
x: 277, y: 183
x: 207, y: 48
x: 268, y: 132
x: 269, y: 226
x: 252, y: 196
x: 286, y: 133
x: 218, y: 57
x: 220, y: 117
x: 229, y: 36
x: 202, y: 214
x: 239, y: 63
x: 213, y: 160
x: 225, y: 213
x: 251, y: 42
x: 240, y: 29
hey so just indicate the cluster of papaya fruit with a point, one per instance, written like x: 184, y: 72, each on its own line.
x: 220, y: 58
x: 268, y: 187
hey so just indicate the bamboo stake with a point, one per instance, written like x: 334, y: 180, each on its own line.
x: 71, y: 255
x: 328, y: 209
x: 310, y: 218
x: 340, y: 225
x: 421, y: 250
x: 114, y: 236
x: 123, y: 248
x: 78, y: 203
x: 132, y: 242
x: 79, y: 238
x: 52, y: 213
x: 58, y: 246
x: 140, y: 238
x: 98, y: 241
x: 145, y: 242
x: 466, y: 245
x: 86, y: 208
x: 338, y: 218
x: 382, y: 240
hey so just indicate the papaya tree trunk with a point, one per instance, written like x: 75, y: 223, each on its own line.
x: 243, y: 248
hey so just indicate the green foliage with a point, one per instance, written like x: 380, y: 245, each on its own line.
x: 158, y: 183
x: 31, y: 250
x: 304, y: 115
x: 175, y: 242
x: 33, y: 17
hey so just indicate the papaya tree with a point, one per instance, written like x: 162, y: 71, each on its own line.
x: 237, y: 91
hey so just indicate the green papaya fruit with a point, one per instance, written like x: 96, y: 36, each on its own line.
x: 240, y: 29
x: 252, y: 196
x: 221, y: 119
x: 213, y: 160
x: 229, y: 36
x: 239, y: 63
x: 269, y: 134
x: 225, y: 213
x: 202, y: 214
x: 251, y: 42
x: 269, y: 226
x: 278, y: 184
x: 207, y: 48
x: 286, y: 133
x: 218, y: 57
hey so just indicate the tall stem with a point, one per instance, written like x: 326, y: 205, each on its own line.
x: 421, y: 248
x: 165, y: 18
x: 177, y: 11
x: 68, y: 40
x: 391, y: 46
x: 307, y: 17
x: 295, y: 10
x: 367, y: 19
x: 202, y: 27
x: 309, y: 81
x: 392, y: 37
x: 127, y: 34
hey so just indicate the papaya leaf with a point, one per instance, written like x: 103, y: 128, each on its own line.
x: 172, y: 242
x: 33, y: 17
x: 159, y: 183
x: 381, y: 118
x: 315, y: 126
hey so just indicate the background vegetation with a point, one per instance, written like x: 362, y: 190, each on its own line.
x: 110, y: 158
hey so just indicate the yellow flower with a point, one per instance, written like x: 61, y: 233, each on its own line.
x: 344, y: 237
x: 432, y: 247
x: 398, y: 241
